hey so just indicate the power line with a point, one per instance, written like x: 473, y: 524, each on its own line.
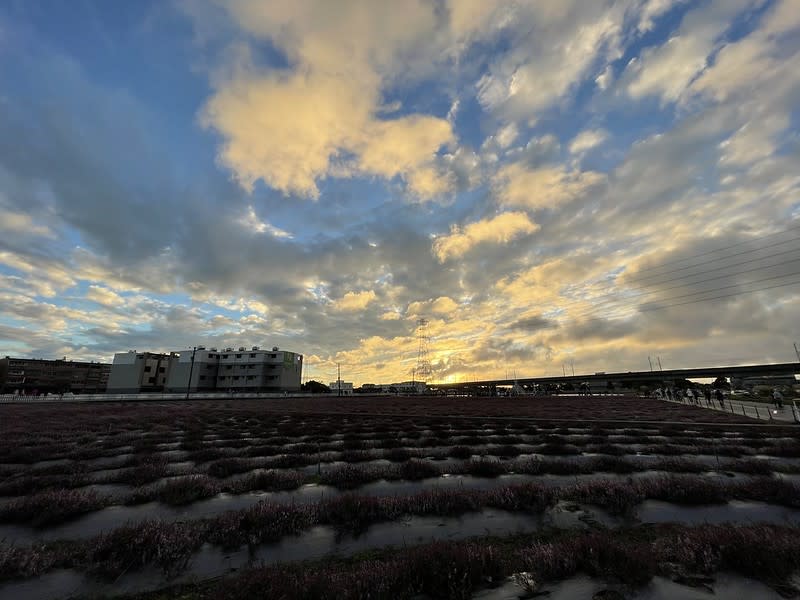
x: 555, y: 324
x: 747, y: 241
x: 609, y: 301
x: 727, y: 287
x: 717, y: 268
x: 611, y: 297
x: 722, y: 258
x: 633, y: 295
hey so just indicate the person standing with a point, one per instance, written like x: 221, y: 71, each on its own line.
x: 777, y: 398
x: 720, y: 398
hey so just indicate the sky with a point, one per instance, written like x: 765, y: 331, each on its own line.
x: 551, y: 184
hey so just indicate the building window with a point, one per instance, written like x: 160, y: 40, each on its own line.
x: 249, y: 377
x: 273, y: 356
x: 209, y: 366
x: 228, y: 367
x: 161, y: 369
x: 147, y: 369
x: 210, y: 356
x: 221, y: 377
x: 224, y: 356
x: 253, y: 355
x: 238, y: 356
x: 202, y: 377
x: 236, y: 377
x: 251, y: 366
x: 151, y: 380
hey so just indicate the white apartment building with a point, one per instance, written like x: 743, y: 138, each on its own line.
x: 203, y: 372
x: 133, y: 372
x: 257, y: 369
x: 201, y: 369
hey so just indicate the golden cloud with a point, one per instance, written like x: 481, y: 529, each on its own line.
x: 320, y: 118
x: 546, y: 187
x: 104, y: 296
x: 353, y: 301
x: 498, y: 230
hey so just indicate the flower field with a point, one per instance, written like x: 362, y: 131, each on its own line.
x: 444, y: 497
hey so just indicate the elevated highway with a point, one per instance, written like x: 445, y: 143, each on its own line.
x: 741, y: 371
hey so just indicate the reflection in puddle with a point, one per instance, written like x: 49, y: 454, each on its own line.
x: 726, y: 585
x: 655, y: 511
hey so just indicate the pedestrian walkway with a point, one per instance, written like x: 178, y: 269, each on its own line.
x: 790, y: 413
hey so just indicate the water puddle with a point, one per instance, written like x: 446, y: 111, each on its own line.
x: 725, y: 585
x: 735, y: 511
x: 117, y: 516
x: 318, y: 542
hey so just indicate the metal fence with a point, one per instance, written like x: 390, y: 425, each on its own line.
x: 22, y: 399
x: 764, y: 412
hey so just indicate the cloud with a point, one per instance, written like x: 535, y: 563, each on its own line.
x: 533, y: 323
x: 104, y: 296
x: 12, y: 222
x: 546, y: 187
x: 588, y: 139
x: 440, y: 306
x: 653, y: 9
x: 501, y: 229
x: 354, y: 301
x: 555, y: 46
x: 666, y: 71
x: 251, y: 222
x: 320, y: 117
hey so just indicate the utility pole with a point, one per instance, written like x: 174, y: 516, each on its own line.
x: 339, y: 377
x: 659, y: 363
x: 651, y: 364
x: 564, y: 369
x: 191, y: 370
x: 796, y: 351
x: 573, y: 367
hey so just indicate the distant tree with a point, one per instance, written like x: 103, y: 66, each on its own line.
x: 568, y: 386
x: 720, y: 383
x: 315, y: 387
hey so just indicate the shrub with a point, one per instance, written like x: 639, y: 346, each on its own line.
x: 413, y: 470
x: 264, y: 522
x: 348, y: 476
x: 263, y: 450
x: 558, y: 449
x: 185, y: 490
x: 350, y: 512
x: 613, y: 464
x: 267, y: 481
x: 150, y: 468
x: 29, y: 561
x: 229, y: 466
x: 460, y: 452
x: 505, y: 451
x: 51, y: 508
x: 485, y: 468
x: 356, y: 456
x: 167, y: 545
x: 398, y: 454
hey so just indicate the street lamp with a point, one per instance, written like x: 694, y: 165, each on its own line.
x: 191, y: 370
